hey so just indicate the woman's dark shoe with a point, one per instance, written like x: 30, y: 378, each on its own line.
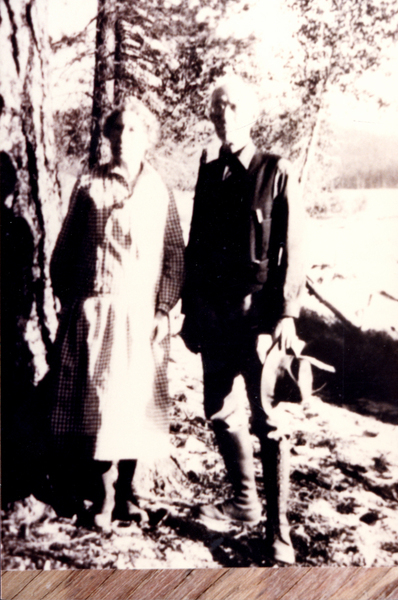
x: 128, y: 510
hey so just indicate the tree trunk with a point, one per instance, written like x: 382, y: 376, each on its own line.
x: 120, y: 81
x: 311, y: 148
x: 103, y: 76
x: 30, y: 206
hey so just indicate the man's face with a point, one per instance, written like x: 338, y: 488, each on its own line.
x: 231, y: 116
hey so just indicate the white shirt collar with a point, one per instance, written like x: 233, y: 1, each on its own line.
x: 246, y: 154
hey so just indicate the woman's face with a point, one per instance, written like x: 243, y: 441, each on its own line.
x: 129, y: 141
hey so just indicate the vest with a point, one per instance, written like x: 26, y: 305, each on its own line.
x: 228, y: 259
x: 262, y: 256
x: 237, y: 228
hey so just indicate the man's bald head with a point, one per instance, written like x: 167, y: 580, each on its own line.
x: 240, y: 90
x: 233, y: 110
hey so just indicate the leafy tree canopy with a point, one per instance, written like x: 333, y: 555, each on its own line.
x: 169, y: 52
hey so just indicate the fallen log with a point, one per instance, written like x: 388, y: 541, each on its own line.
x: 314, y: 292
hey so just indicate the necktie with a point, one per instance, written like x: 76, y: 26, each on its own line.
x: 229, y: 161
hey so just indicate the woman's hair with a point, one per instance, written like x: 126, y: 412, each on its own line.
x: 131, y: 104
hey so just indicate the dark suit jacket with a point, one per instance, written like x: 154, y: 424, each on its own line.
x: 246, y: 242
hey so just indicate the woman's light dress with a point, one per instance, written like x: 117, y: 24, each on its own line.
x: 118, y: 259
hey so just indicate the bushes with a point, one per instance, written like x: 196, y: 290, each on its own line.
x: 72, y: 132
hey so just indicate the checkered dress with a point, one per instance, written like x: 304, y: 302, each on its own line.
x: 118, y: 260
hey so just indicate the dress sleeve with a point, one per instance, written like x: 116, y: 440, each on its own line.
x: 173, y: 260
x: 64, y: 257
x: 194, y: 272
x: 287, y: 185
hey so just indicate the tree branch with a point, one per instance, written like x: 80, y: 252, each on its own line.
x: 69, y: 40
x: 13, y: 36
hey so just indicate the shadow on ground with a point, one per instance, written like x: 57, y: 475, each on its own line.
x: 240, y: 547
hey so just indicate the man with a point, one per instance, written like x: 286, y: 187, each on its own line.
x: 244, y: 277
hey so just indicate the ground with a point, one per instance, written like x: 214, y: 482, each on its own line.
x: 343, y: 506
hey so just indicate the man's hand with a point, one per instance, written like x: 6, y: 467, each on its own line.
x: 160, y: 328
x: 285, y: 333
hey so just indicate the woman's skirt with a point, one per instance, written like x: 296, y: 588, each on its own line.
x: 110, y: 382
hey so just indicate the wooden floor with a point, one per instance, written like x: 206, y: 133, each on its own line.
x: 293, y: 583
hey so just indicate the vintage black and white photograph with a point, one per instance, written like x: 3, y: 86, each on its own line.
x: 199, y: 283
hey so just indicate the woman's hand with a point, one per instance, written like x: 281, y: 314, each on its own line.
x: 161, y: 327
x: 285, y: 333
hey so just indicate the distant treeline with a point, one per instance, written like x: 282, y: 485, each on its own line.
x: 367, y: 159
x: 369, y: 178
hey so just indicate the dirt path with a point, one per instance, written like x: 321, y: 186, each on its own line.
x: 343, y: 508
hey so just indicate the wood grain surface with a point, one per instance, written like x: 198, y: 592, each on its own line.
x: 293, y: 583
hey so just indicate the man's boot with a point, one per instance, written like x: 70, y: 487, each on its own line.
x: 275, y: 461
x: 237, y: 452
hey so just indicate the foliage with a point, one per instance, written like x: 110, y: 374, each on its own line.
x: 72, y: 131
x: 169, y: 54
x: 337, y: 41
x: 340, y: 40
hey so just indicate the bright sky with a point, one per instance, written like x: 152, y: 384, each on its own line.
x: 67, y: 17
x: 69, y: 82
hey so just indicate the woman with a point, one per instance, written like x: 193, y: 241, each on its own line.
x: 117, y: 270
